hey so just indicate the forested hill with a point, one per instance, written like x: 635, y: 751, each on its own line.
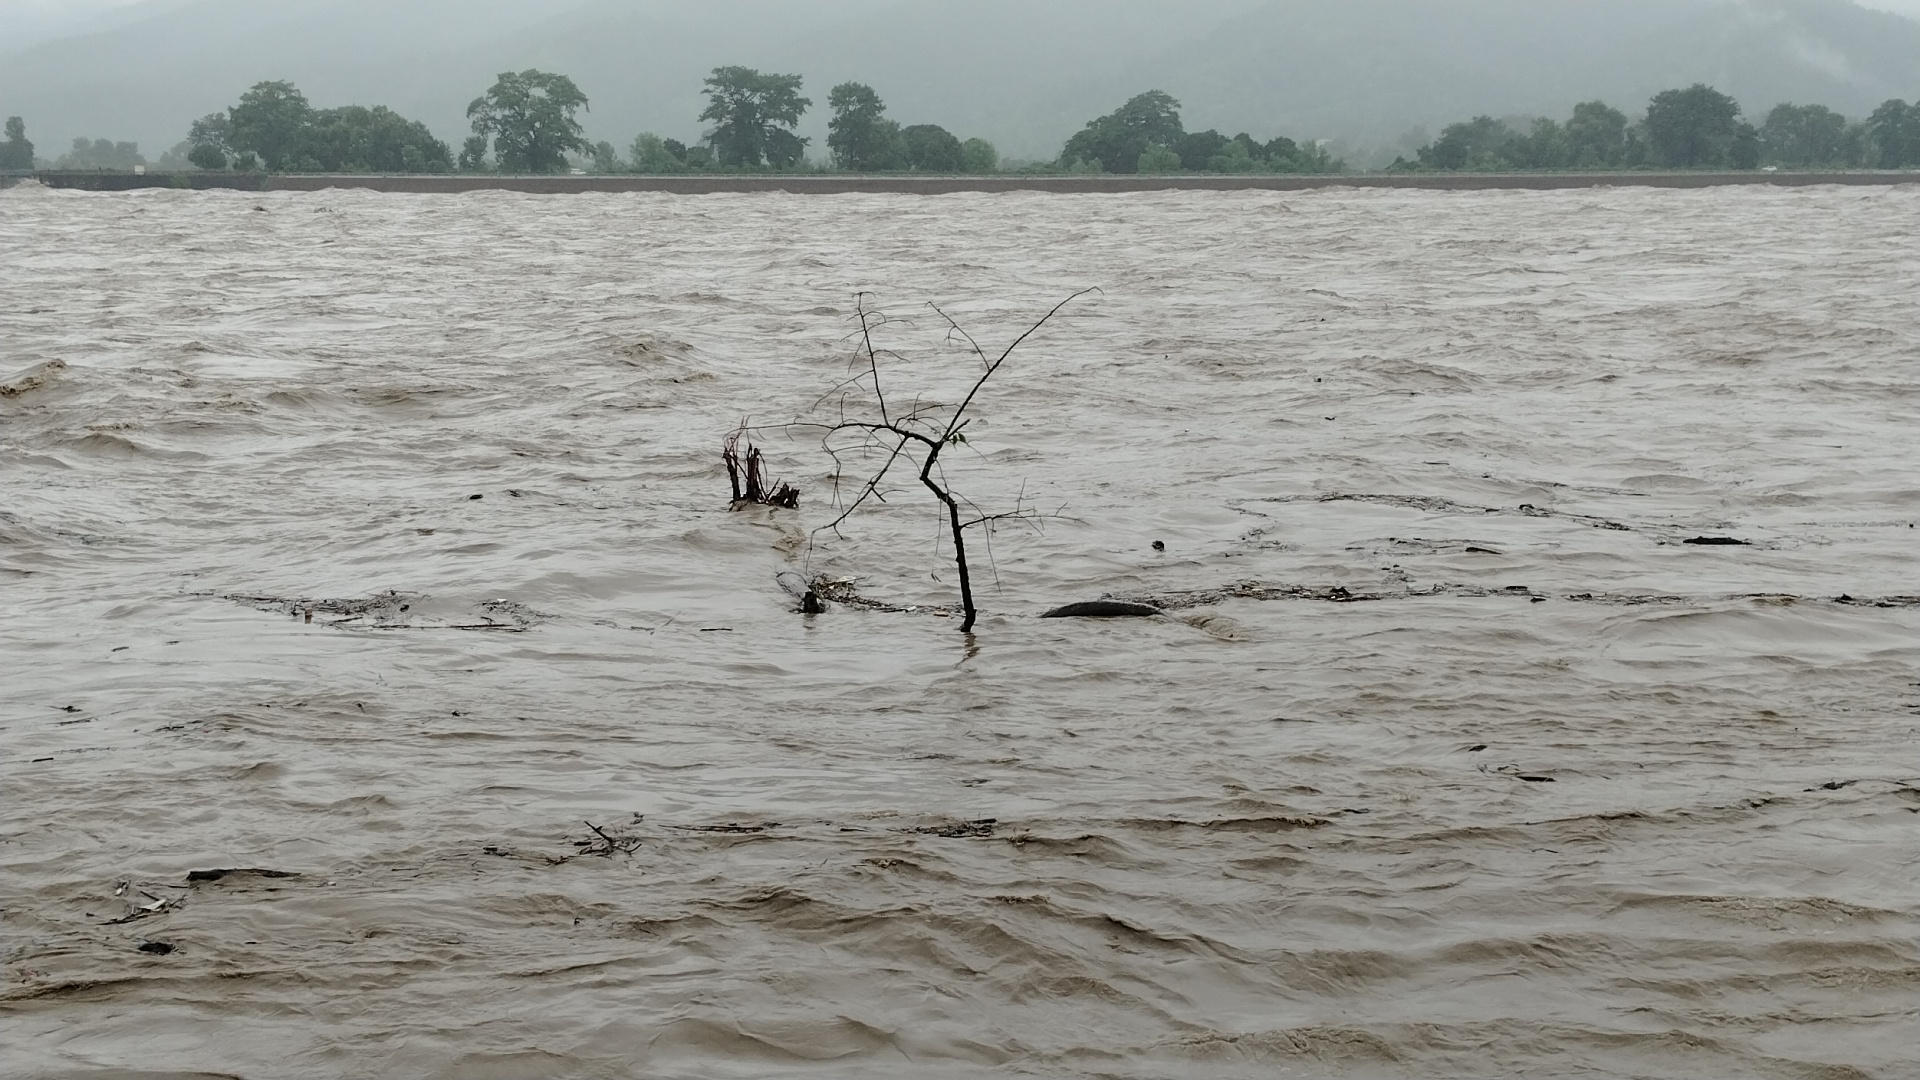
x: 1024, y: 73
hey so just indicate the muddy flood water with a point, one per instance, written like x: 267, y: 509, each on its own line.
x: 357, y: 551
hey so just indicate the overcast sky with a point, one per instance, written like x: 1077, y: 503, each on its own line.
x: 63, y: 13
x: 24, y: 23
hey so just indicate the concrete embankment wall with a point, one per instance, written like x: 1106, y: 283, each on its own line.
x: 945, y: 185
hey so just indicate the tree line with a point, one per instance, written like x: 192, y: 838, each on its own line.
x: 527, y: 122
x: 1694, y: 128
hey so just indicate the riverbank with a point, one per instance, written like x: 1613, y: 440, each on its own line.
x: 947, y: 185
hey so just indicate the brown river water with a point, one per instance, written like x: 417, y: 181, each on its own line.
x: 1451, y: 757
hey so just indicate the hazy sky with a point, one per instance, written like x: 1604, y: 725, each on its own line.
x: 66, y: 10
x: 28, y: 22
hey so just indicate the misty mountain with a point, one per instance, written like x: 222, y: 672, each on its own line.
x: 1023, y: 73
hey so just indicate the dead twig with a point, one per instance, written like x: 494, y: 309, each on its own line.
x: 918, y: 437
x: 607, y: 845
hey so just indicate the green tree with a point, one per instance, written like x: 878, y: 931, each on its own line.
x: 754, y: 116
x: 1116, y: 141
x: 355, y: 138
x: 1692, y: 128
x: 1745, y: 151
x: 17, y: 152
x: 1478, y: 144
x: 101, y: 154
x: 859, y: 135
x: 207, y: 156
x: 270, y: 120
x: 1803, y: 135
x: 473, y: 154
x: 979, y: 156
x: 1283, y: 155
x: 649, y: 154
x: 174, y: 159
x: 1542, y: 146
x: 1236, y: 156
x: 1596, y: 136
x: 529, y: 115
x: 1314, y: 157
x: 932, y: 148
x: 1198, y: 148
x: 606, y: 159
x: 211, y: 130
x: 1893, y: 130
x: 1158, y: 160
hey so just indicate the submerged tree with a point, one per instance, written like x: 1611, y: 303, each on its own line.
x: 17, y: 152
x: 754, y: 116
x: 529, y: 116
x: 913, y: 439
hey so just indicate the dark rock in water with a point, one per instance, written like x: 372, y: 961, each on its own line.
x: 1101, y: 609
x: 158, y: 948
x: 1718, y: 541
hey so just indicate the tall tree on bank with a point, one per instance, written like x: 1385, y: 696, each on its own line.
x: 932, y: 148
x: 860, y: 136
x: 529, y: 117
x: 208, y: 137
x: 274, y: 125
x: 1802, y: 135
x: 1596, y: 136
x: 354, y: 138
x: 1894, y: 130
x: 101, y: 154
x: 753, y: 117
x: 17, y: 152
x: 270, y: 121
x: 1116, y: 141
x: 1698, y: 127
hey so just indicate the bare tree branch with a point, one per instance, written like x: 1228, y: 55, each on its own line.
x: 918, y: 436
